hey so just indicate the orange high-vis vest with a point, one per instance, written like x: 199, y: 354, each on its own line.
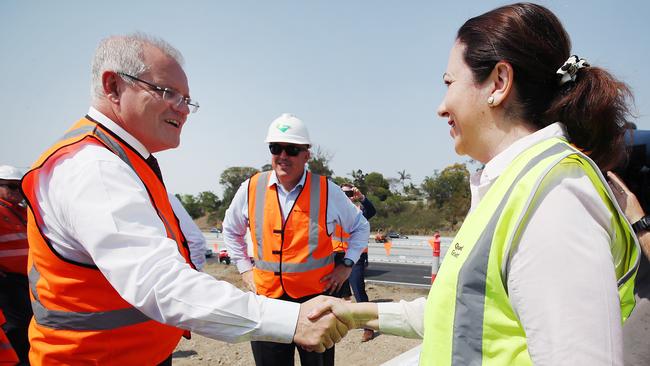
x: 7, y: 354
x: 292, y: 256
x: 79, y: 318
x: 13, y: 238
x: 340, y: 239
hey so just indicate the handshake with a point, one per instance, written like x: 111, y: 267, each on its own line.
x: 324, y: 321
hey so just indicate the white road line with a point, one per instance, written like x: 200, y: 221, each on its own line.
x: 399, y: 283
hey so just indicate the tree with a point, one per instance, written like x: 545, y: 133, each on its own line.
x: 341, y: 180
x: 412, y: 192
x: 231, y: 179
x: 359, y: 180
x: 448, y: 191
x: 403, y: 176
x: 319, y: 162
x: 266, y: 168
x: 191, y: 205
x: 377, y: 185
x: 209, y: 202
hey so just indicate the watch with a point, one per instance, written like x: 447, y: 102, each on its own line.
x: 348, y: 262
x: 642, y: 225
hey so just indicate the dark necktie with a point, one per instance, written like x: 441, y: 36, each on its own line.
x: 153, y: 164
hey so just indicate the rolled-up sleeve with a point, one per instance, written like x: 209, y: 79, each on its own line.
x: 403, y: 318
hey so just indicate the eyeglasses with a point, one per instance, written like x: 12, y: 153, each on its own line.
x: 291, y: 150
x: 169, y: 95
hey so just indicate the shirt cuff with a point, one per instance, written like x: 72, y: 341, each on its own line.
x: 391, y: 318
x: 404, y: 318
x: 279, y: 320
x: 244, y: 265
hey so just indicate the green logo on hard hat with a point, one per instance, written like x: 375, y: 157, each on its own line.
x: 283, y: 128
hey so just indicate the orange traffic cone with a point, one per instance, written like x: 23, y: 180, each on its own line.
x: 387, y: 246
x: 435, y: 264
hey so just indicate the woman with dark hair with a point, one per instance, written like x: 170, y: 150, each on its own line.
x: 537, y: 118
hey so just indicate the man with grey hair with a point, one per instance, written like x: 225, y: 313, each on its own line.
x: 110, y: 273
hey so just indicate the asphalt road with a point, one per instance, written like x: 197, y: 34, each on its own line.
x: 397, y: 273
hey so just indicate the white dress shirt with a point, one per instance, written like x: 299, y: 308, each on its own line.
x: 339, y: 210
x: 96, y: 210
x: 193, y: 235
x: 561, y: 283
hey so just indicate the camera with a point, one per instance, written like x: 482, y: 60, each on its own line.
x: 349, y: 193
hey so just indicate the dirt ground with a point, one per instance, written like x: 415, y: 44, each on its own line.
x: 350, y: 351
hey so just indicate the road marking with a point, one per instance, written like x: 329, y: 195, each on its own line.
x: 399, y: 283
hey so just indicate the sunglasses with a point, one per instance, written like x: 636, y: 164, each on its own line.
x: 291, y: 150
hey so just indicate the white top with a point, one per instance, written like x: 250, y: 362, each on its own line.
x: 339, y: 210
x: 561, y: 282
x: 97, y: 211
x: 193, y: 235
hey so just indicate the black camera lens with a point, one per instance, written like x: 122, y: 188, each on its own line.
x: 349, y: 193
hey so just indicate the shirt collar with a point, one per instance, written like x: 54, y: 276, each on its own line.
x: 274, y: 180
x: 119, y: 131
x: 500, y: 162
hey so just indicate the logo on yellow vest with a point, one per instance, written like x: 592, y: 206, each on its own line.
x: 457, y: 249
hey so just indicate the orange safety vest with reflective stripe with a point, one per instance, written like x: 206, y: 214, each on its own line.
x: 79, y: 317
x: 13, y: 238
x: 290, y: 256
x: 7, y: 354
x: 340, y: 239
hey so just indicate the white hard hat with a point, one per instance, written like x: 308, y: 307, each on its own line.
x: 287, y: 128
x: 8, y: 172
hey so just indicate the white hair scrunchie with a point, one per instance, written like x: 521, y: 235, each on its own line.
x: 569, y: 70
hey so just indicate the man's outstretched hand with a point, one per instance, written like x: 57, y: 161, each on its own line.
x: 320, y: 331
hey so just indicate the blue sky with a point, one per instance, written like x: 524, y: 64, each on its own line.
x: 366, y: 76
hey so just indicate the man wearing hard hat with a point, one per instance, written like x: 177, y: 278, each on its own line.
x: 14, y: 286
x: 291, y: 214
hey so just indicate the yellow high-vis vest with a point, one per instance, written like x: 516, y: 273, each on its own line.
x: 469, y: 319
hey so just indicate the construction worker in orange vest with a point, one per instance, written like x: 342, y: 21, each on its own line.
x: 109, y: 269
x: 14, y: 286
x: 291, y: 214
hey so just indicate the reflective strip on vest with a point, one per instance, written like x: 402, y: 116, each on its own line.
x: 117, y: 149
x: 77, y: 132
x: 13, y: 252
x: 467, y: 343
x: 68, y: 320
x: 314, y: 210
x: 11, y: 237
x: 260, y: 193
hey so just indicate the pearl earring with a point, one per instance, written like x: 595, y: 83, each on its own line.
x: 490, y: 101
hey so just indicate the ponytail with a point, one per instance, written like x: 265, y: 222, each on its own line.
x: 595, y: 109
